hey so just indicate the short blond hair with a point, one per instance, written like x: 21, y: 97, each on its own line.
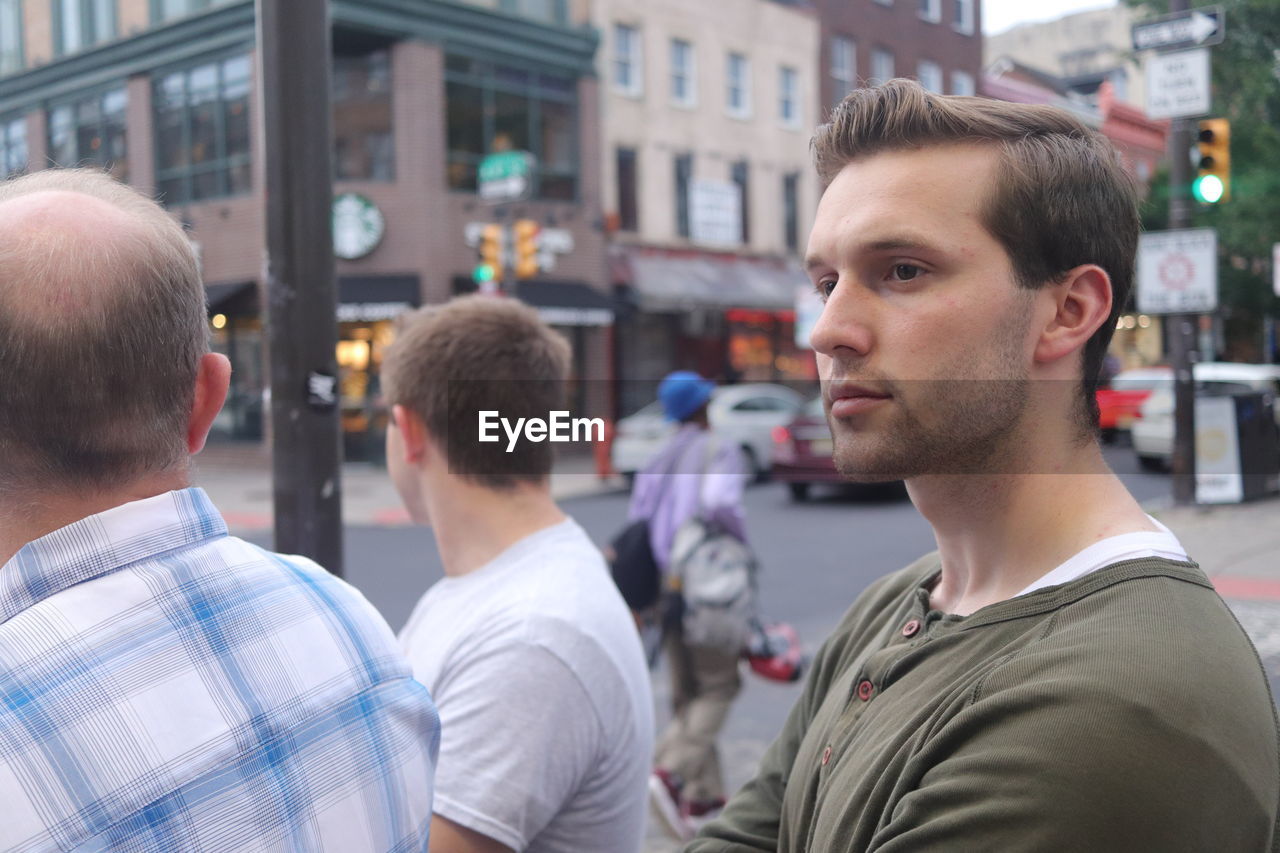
x: 473, y: 354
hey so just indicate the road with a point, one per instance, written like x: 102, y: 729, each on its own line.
x: 816, y: 556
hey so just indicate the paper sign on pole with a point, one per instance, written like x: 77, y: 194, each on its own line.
x: 1178, y: 271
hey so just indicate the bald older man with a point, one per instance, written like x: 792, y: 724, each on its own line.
x: 165, y: 686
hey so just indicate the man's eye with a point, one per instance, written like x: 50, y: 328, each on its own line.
x: 824, y: 288
x: 905, y: 272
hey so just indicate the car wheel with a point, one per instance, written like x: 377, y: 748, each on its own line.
x: 799, y: 491
x: 758, y: 475
x: 1151, y: 463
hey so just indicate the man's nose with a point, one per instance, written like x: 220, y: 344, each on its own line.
x: 843, y: 324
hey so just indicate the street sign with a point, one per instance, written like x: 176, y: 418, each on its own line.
x: 505, y: 176
x: 1178, y: 84
x: 1193, y: 28
x: 1178, y: 271
x: 715, y: 213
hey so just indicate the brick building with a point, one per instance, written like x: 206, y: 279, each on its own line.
x: 162, y: 92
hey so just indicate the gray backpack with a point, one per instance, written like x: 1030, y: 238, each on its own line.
x: 715, y: 572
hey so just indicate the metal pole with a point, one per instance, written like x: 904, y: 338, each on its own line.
x: 1182, y: 334
x: 294, y: 47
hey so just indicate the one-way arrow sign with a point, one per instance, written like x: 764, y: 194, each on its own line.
x: 1194, y: 28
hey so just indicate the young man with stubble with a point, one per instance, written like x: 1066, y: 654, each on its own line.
x: 1058, y: 675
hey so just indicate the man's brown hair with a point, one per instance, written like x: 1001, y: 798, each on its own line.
x: 1061, y: 197
x: 100, y: 341
x: 474, y: 354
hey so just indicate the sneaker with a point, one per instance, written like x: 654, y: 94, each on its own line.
x: 664, y: 796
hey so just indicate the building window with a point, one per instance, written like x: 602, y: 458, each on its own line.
x: 78, y: 24
x: 10, y: 36
x: 962, y: 83
x: 493, y: 108
x: 91, y: 130
x: 547, y: 11
x: 202, y: 131
x: 788, y: 96
x: 930, y: 10
x: 13, y: 145
x: 738, y: 85
x: 844, y: 69
x: 740, y: 174
x: 962, y: 16
x: 168, y: 10
x: 881, y: 65
x: 684, y: 175
x: 363, y: 143
x: 628, y: 212
x: 885, y: 2
x: 628, y: 61
x: 791, y: 211
x: 929, y: 75
x: 684, y: 85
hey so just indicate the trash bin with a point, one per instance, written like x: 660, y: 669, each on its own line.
x: 1237, y: 445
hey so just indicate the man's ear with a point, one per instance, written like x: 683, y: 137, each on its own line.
x: 414, y: 438
x: 213, y: 378
x: 1081, y: 304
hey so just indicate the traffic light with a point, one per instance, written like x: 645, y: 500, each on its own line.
x: 1214, y: 181
x: 490, y: 251
x: 528, y: 244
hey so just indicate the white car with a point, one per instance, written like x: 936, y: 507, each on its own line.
x: 1152, y: 432
x: 744, y: 414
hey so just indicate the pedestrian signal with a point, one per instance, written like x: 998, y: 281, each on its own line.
x: 528, y: 245
x: 1213, y: 184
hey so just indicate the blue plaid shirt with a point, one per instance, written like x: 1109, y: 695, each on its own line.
x: 164, y: 686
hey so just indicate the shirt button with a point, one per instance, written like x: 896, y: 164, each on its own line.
x: 911, y: 628
x: 865, y: 689
x: 826, y: 756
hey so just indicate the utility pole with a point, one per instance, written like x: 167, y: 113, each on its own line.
x: 294, y: 51
x: 1182, y: 327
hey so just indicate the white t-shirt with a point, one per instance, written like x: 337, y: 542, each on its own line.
x: 1114, y: 549
x: 537, y: 670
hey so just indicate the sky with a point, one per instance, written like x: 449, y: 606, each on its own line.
x: 1000, y: 15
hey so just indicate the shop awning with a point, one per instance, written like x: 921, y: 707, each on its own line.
x: 238, y: 299
x: 567, y: 303
x: 367, y: 299
x: 679, y: 281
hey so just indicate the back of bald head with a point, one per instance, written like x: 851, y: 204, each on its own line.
x: 102, y: 325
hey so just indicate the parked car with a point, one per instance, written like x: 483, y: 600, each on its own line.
x: 1152, y: 432
x: 1120, y: 400
x: 802, y: 457
x: 744, y: 414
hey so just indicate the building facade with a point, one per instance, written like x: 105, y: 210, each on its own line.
x: 708, y: 189
x: 938, y: 42
x: 163, y: 93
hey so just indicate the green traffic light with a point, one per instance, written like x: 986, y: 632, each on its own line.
x: 483, y: 273
x: 1208, y: 189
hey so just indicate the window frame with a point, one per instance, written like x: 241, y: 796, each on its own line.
x: 877, y: 53
x: 73, y: 103
x: 364, y: 96
x: 929, y: 10
x: 18, y: 50
x: 683, y: 173
x: 791, y: 211
x: 634, y: 87
x: 92, y: 32
x: 490, y: 85
x: 193, y: 7
x: 846, y: 83
x: 962, y: 17
x: 689, y: 72
x: 7, y: 122
x: 744, y: 110
x: 972, y: 87
x: 792, y: 74
x: 935, y: 71
x: 628, y: 213
x: 740, y: 176
x: 223, y: 163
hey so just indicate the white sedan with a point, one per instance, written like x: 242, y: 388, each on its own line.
x: 1152, y: 432
x: 744, y: 414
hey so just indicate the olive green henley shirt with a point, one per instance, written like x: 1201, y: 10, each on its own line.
x: 1123, y: 711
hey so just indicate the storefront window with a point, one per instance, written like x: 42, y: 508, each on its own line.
x: 491, y: 108
x: 360, y: 352
x: 240, y: 340
x: 762, y: 347
x: 91, y: 130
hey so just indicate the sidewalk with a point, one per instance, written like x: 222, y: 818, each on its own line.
x: 238, y: 480
x: 1237, y: 545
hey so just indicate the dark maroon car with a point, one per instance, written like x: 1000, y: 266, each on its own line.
x: 802, y: 458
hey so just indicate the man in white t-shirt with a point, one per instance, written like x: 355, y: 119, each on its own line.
x: 526, y: 645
